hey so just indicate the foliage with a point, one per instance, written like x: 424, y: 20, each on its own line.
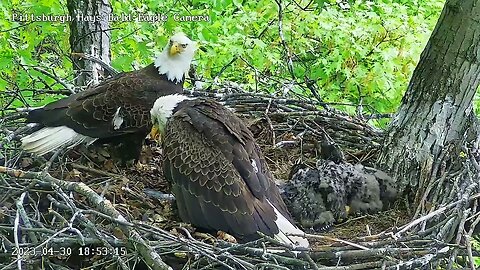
x: 31, y: 44
x: 476, y: 247
x: 350, y: 52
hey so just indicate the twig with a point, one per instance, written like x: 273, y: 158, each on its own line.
x: 309, y: 259
x: 282, y: 38
x: 16, y: 234
x: 112, y: 71
x: 90, y: 227
x: 21, y: 212
x: 315, y: 236
x: 99, y: 172
x: 102, y: 204
x: 215, y: 78
x: 469, y: 252
x: 432, y: 214
x: 17, y: 27
x: 60, y: 81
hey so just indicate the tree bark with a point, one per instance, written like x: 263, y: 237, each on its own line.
x: 89, y: 35
x: 436, y: 117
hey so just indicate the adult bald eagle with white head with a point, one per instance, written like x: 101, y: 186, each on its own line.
x: 217, y: 172
x: 115, y: 111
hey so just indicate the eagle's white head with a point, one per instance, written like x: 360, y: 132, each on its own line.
x: 163, y: 108
x: 175, y: 59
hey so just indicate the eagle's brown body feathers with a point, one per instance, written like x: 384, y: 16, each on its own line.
x: 116, y: 111
x: 218, y: 173
x: 126, y: 96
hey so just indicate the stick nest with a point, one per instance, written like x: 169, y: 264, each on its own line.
x: 79, y: 210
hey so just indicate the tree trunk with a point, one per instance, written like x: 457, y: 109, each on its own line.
x: 89, y: 35
x: 436, y: 117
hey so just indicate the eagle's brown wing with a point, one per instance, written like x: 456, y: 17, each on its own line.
x: 261, y: 183
x: 127, y: 96
x: 217, y: 172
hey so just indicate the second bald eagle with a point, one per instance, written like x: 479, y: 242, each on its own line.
x: 116, y: 110
x: 217, y: 172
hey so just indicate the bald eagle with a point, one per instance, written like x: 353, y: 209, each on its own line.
x: 217, y: 172
x: 114, y: 111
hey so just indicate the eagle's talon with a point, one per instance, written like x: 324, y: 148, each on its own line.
x: 205, y: 236
x: 226, y: 237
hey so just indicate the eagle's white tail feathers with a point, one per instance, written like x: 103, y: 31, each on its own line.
x: 49, y: 139
x: 286, y: 228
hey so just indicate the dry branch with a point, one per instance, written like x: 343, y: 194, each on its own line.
x: 78, y: 216
x: 103, y: 205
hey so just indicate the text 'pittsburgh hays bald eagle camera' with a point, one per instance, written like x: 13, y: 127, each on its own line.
x: 117, y: 110
x: 218, y: 173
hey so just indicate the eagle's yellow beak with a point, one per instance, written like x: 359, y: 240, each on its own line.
x: 175, y: 49
x: 155, y: 133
